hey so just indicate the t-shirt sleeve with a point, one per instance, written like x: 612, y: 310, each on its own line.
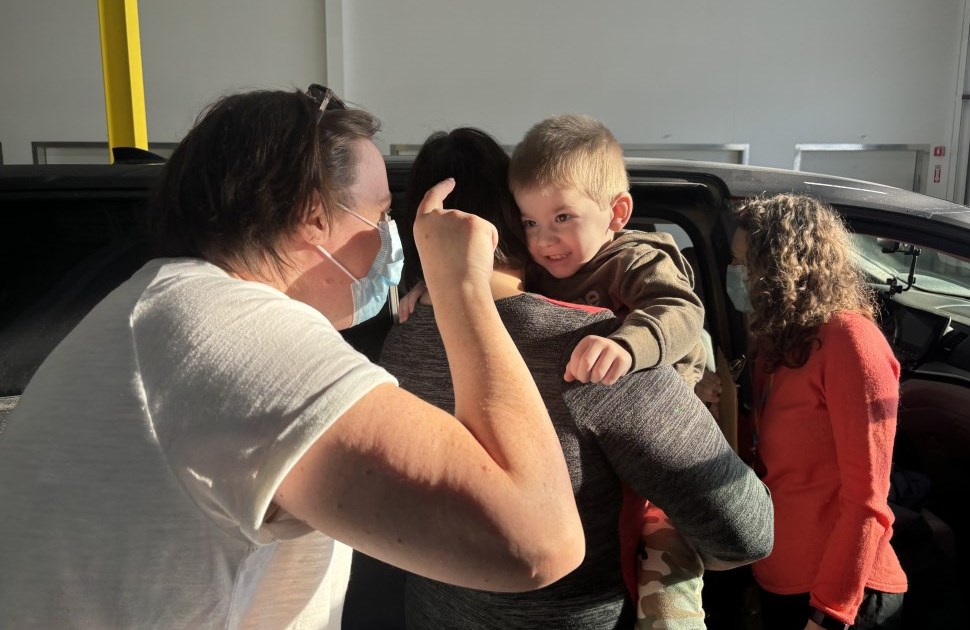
x: 239, y: 381
x: 665, y: 445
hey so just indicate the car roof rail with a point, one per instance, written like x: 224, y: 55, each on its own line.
x: 134, y: 155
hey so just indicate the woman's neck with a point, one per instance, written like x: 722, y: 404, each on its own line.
x: 506, y: 282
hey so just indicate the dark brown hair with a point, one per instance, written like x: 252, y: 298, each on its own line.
x: 800, y: 272
x: 480, y: 167
x: 247, y: 173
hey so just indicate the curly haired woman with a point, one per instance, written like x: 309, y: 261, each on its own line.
x: 826, y: 393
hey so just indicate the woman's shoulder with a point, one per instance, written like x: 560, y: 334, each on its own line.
x: 848, y: 325
x: 851, y: 333
x: 537, y: 302
x: 191, y: 294
x: 556, y: 317
x: 183, y: 280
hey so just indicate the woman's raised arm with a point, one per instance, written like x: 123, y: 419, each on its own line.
x: 482, y: 498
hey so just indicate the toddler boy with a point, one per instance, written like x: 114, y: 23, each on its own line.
x: 570, y: 183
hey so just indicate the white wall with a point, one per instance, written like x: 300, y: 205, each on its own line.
x: 192, y: 51
x: 772, y: 73
x: 50, y: 75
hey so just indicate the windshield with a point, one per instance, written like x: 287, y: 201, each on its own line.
x: 935, y: 271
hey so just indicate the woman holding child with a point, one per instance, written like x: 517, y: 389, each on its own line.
x: 647, y: 431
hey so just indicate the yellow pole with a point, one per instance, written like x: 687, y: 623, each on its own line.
x: 124, y: 89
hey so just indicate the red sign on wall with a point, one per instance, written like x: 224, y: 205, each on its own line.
x: 939, y: 151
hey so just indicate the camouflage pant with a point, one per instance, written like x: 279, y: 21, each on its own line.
x: 670, y: 576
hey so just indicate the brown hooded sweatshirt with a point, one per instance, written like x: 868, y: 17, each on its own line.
x: 645, y: 280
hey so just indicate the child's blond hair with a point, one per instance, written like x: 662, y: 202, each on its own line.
x: 570, y: 151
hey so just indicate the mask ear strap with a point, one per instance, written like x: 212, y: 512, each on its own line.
x: 365, y: 220
x: 336, y: 262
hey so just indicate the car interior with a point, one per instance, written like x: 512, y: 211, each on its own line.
x: 72, y: 249
x: 924, y: 300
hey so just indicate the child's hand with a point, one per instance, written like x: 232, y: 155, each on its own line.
x: 406, y: 304
x: 598, y: 360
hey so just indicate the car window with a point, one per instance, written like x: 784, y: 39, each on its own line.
x: 680, y: 236
x: 935, y: 271
x: 682, y: 240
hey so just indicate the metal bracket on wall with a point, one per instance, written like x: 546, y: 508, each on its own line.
x: 412, y: 149
x: 692, y: 151
x: 740, y: 151
x: 922, y: 152
x: 85, y: 152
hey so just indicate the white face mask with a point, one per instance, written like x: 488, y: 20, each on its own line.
x: 737, y: 288
x: 370, y: 292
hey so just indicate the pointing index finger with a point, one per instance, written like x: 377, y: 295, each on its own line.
x: 435, y: 197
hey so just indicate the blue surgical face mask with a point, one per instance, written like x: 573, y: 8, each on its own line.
x: 737, y: 288
x: 370, y: 292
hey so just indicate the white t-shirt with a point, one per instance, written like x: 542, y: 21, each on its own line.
x: 137, y: 469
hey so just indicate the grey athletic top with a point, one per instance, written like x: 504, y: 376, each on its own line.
x: 648, y: 430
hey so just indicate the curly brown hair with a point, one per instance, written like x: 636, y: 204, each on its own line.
x: 800, y: 272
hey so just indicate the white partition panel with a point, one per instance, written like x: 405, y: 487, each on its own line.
x: 900, y: 165
x: 761, y: 72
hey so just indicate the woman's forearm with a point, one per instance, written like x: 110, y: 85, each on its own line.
x: 497, y: 400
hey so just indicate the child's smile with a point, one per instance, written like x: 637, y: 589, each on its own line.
x: 564, y: 229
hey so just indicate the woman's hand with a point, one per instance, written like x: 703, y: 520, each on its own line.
x: 708, y: 388
x: 455, y: 247
x: 407, y: 303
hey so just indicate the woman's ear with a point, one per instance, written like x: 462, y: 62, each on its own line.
x: 314, y: 227
x: 622, y: 210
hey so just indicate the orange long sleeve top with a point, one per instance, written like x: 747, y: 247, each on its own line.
x: 826, y: 434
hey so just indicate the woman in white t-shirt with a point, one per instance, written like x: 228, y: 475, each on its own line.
x: 204, y: 449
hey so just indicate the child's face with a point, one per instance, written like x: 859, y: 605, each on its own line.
x: 564, y: 229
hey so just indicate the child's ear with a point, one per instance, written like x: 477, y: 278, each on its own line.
x: 622, y: 210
